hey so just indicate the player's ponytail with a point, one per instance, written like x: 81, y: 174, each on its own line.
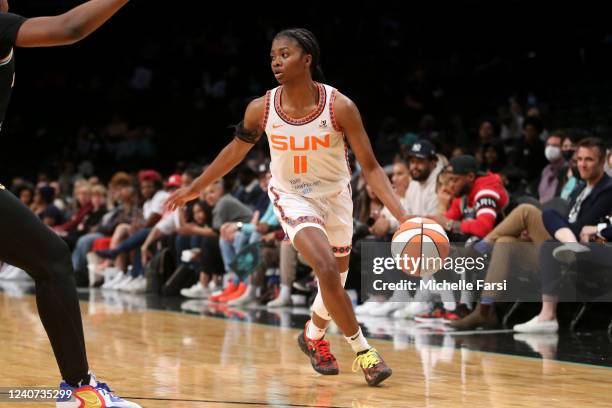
x: 309, y: 45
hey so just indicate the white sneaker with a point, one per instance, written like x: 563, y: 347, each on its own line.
x: 279, y: 302
x: 138, y: 285
x: 243, y: 300
x: 412, y: 309
x: 365, y: 308
x: 124, y: 284
x: 386, y: 308
x: 13, y: 273
x: 111, y: 277
x: 197, y: 291
x: 536, y: 326
x: 568, y: 252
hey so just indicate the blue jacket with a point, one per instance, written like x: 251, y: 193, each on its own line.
x: 597, y: 205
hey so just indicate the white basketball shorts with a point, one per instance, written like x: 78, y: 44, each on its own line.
x: 333, y: 215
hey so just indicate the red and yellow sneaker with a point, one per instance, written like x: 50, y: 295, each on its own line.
x: 321, y: 358
x: 459, y: 313
x: 435, y: 316
x: 373, y: 366
x: 231, y: 287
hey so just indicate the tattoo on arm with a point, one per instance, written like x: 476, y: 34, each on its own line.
x: 246, y: 135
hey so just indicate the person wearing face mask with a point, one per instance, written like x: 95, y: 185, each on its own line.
x: 551, y: 183
x: 608, y: 164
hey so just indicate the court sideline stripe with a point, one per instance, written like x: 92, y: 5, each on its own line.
x: 235, y: 402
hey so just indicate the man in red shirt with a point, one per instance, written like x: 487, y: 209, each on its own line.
x: 479, y: 197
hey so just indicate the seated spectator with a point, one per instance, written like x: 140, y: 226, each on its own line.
x: 400, y: 179
x: 527, y: 154
x: 203, y: 262
x: 492, y: 157
x: 249, y: 191
x: 486, y: 132
x: 84, y: 206
x: 44, y: 208
x: 230, y: 214
x: 478, y: 199
x: 554, y: 175
x: 591, y: 203
x: 25, y: 193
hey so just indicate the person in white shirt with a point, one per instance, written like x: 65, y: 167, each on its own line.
x: 420, y: 198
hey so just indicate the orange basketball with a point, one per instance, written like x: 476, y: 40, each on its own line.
x: 422, y: 245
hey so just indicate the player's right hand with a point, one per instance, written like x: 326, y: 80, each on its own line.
x: 179, y: 198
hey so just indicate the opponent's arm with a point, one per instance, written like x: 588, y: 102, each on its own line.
x: 69, y: 27
x: 247, y: 134
x: 349, y: 119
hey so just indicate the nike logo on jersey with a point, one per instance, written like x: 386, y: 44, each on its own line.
x: 276, y: 126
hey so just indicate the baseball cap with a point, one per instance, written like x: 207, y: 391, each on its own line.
x: 174, y: 180
x: 464, y: 164
x: 423, y: 149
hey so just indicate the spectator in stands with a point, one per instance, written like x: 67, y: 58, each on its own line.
x: 492, y: 157
x: 115, y: 186
x: 228, y: 216
x: 478, y: 200
x: 197, y: 232
x: 553, y: 177
x: 44, y: 208
x: 25, y: 193
x: 486, y: 132
x: 400, y: 179
x: 249, y: 191
x: 528, y: 152
x: 84, y: 206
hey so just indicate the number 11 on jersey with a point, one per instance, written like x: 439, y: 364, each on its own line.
x: 300, y: 164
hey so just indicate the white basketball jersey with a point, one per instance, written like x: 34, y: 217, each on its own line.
x: 309, y: 155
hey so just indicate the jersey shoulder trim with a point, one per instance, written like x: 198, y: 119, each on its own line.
x: 332, y: 113
x: 264, y: 119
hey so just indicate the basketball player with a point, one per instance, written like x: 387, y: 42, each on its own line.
x: 28, y: 244
x: 308, y: 125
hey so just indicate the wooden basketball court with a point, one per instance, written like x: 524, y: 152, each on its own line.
x: 173, y: 359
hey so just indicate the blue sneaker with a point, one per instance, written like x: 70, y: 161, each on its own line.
x: 94, y: 395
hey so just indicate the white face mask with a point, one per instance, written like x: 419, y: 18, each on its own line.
x: 607, y: 169
x: 552, y: 153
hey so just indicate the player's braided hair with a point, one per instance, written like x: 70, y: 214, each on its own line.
x: 309, y: 44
